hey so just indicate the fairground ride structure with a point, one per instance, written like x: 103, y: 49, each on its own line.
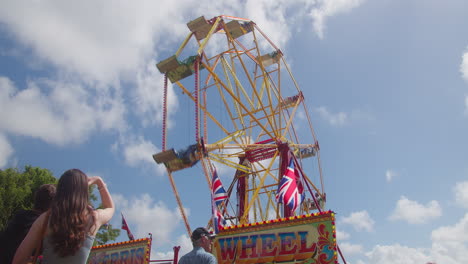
x: 251, y: 120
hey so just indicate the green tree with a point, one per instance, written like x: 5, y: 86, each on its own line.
x: 106, y: 234
x: 17, y: 189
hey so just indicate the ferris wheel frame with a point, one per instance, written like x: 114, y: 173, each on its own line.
x: 247, y: 81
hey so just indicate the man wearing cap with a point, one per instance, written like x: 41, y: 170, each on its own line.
x: 202, y: 243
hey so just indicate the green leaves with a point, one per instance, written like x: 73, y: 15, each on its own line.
x: 106, y: 234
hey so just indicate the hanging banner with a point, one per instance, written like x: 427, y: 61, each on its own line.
x: 298, y: 239
x: 128, y: 252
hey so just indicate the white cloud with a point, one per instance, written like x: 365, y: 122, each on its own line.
x: 466, y: 104
x: 338, y: 119
x: 449, y: 243
x: 350, y: 249
x: 461, y: 193
x: 138, y: 153
x: 464, y: 73
x: 66, y: 113
x: 97, y: 40
x: 414, y: 212
x: 144, y: 216
x: 148, y: 96
x: 185, y: 246
x: 328, y: 8
x: 464, y: 66
x: 341, y: 235
x: 271, y: 18
x: 109, y: 42
x: 449, y: 246
x: 95, y: 50
x: 390, y: 174
x: 5, y: 151
x: 397, y: 254
x: 360, y: 221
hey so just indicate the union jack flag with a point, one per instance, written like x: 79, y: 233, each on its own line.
x: 125, y: 227
x: 219, y: 194
x: 288, y: 192
x: 218, y: 220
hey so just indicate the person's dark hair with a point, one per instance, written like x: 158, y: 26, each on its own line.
x: 43, y: 197
x: 69, y: 218
x: 199, y: 232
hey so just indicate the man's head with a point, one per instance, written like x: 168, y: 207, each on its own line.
x: 43, y: 197
x: 202, y: 238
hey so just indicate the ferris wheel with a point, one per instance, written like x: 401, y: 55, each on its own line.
x: 251, y: 121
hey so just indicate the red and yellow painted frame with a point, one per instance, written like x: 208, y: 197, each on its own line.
x: 128, y: 252
x: 299, y: 239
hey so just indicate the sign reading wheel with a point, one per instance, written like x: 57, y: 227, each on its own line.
x: 128, y: 252
x: 298, y: 239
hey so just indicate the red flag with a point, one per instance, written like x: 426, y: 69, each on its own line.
x: 125, y: 227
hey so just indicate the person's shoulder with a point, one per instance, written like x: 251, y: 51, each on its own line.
x: 207, y: 255
x: 210, y: 258
x: 183, y: 259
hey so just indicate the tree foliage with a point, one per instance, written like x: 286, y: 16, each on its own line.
x: 17, y: 189
x: 106, y: 234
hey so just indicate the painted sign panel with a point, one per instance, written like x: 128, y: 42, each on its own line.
x: 299, y: 239
x: 128, y: 252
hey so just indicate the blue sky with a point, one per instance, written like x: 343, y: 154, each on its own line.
x: 386, y: 83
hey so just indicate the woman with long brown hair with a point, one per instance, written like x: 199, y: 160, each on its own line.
x: 71, y: 224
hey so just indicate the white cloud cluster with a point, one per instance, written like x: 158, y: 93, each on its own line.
x: 360, y: 221
x: 144, y: 216
x: 464, y: 73
x: 138, y: 152
x: 93, y: 51
x: 397, y: 254
x: 337, y: 119
x: 346, y: 247
x: 449, y: 246
x: 414, y: 212
x: 328, y: 8
x: 466, y: 104
x: 461, y: 193
x: 98, y: 40
x: 185, y: 246
x: 342, y: 235
x: 351, y: 249
x: 450, y: 243
x: 148, y: 98
x: 464, y: 66
x: 66, y: 113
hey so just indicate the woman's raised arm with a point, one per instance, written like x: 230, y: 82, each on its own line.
x: 105, y: 214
